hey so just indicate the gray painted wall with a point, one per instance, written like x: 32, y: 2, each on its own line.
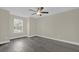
x: 62, y: 26
x: 33, y: 27
x: 4, y: 28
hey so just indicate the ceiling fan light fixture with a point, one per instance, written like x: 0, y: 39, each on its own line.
x: 38, y: 13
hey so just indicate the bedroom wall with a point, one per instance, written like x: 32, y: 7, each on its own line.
x: 62, y: 26
x: 4, y: 28
x: 33, y: 27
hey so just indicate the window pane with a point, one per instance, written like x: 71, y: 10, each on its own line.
x: 18, y: 25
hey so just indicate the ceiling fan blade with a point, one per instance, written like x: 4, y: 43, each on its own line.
x: 32, y: 10
x: 40, y: 8
x: 45, y: 12
x: 33, y: 13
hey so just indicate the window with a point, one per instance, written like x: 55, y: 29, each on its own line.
x: 18, y: 25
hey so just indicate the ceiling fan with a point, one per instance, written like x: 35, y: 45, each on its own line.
x: 39, y: 11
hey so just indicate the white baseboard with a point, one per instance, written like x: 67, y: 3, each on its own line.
x: 74, y: 43
x: 7, y: 41
x: 31, y: 35
x: 18, y: 37
x: 70, y: 42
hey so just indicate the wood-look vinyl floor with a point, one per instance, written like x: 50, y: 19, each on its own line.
x: 37, y: 44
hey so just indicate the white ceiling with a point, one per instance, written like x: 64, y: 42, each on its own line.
x: 24, y: 11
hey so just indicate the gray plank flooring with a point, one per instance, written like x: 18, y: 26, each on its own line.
x: 37, y: 44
